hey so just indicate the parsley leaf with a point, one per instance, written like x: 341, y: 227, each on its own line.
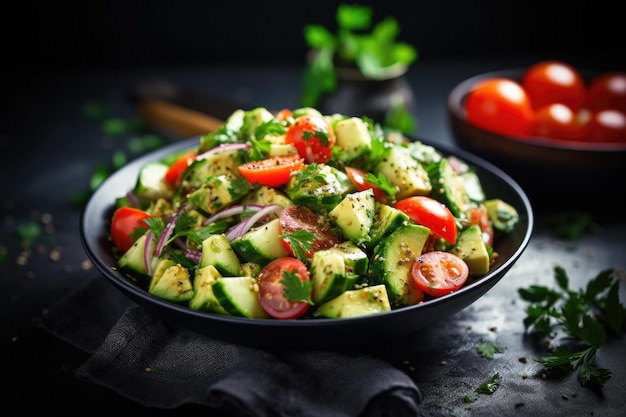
x: 488, y: 349
x: 294, y: 289
x: 300, y: 242
x: 382, y: 182
x: 585, y: 315
x: 490, y: 386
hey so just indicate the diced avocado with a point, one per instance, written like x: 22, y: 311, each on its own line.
x: 404, y: 172
x: 503, y: 216
x: 449, y: 188
x: 133, y: 259
x: 353, y: 137
x: 471, y: 247
x: 203, y: 297
x: 356, y: 303
x: 355, y: 215
x: 255, y: 118
x: 171, y: 281
x: 303, y: 111
x: 216, y: 251
x: 260, y: 244
x: 386, y: 220
x: 426, y: 154
x: 336, y: 270
x: 266, y: 196
x: 315, y: 187
x: 239, y: 296
x: 281, y: 149
x: 393, y: 260
x: 151, y: 183
x: 217, y: 193
x: 224, y: 162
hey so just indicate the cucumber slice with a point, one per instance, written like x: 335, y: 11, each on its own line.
x: 171, y: 281
x: 260, y: 245
x: 216, y: 251
x: 393, y: 259
x: 203, y: 297
x: 239, y: 296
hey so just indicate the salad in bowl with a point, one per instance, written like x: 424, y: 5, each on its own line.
x: 297, y: 215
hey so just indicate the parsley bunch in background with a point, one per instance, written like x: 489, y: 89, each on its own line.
x: 587, y: 316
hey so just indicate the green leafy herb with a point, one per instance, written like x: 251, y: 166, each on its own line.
x: 28, y: 233
x: 490, y: 386
x: 382, y: 182
x: 470, y: 399
x: 300, y: 242
x: 585, y: 315
x: 374, y: 49
x: 488, y: 349
x: 295, y: 289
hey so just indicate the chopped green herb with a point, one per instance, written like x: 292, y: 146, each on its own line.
x: 294, y: 289
x: 585, y: 316
x: 300, y: 242
x: 468, y: 399
x: 488, y: 349
x: 28, y: 233
x: 382, y: 182
x: 490, y: 386
x: 115, y: 126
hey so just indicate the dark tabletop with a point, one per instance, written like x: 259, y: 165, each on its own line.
x: 49, y: 150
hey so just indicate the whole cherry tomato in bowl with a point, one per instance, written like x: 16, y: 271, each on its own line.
x: 607, y: 91
x: 548, y: 82
x: 500, y: 105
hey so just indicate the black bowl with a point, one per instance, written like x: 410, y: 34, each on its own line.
x: 302, y: 334
x: 551, y: 171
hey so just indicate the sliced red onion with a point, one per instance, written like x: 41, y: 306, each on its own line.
x: 220, y: 148
x: 169, y: 229
x: 147, y: 252
x: 241, y: 228
x: 232, y: 211
x: 132, y: 198
x: 194, y: 255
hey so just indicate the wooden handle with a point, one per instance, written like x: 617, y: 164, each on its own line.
x: 176, y: 120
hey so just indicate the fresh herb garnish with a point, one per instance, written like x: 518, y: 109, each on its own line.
x: 571, y: 224
x: 295, y: 289
x: 488, y: 349
x: 300, y: 242
x: 382, y: 182
x: 490, y: 386
x: 586, y: 316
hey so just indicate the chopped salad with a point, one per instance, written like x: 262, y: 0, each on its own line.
x: 300, y: 215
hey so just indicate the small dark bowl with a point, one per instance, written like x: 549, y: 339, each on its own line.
x: 313, y: 333
x: 544, y: 167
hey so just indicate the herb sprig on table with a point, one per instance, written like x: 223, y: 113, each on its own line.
x: 586, y: 316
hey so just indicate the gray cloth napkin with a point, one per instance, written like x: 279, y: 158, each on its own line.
x: 140, y: 357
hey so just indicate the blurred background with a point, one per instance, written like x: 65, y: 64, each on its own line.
x: 68, y: 36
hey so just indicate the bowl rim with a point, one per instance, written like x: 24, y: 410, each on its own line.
x: 460, y: 91
x: 96, y: 214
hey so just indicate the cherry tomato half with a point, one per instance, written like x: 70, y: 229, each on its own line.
x: 430, y: 213
x: 295, y: 217
x: 480, y: 216
x: 558, y: 121
x: 548, y: 82
x: 271, y: 288
x: 123, y: 223
x: 313, y: 137
x: 500, y: 105
x: 607, y: 91
x: 274, y: 171
x: 357, y: 176
x: 174, y: 174
x: 439, y: 273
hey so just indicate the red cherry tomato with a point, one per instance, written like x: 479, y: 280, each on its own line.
x: 606, y: 126
x: 174, y: 174
x: 123, y: 223
x: 284, y: 114
x: 357, y: 176
x: 607, y: 91
x: 500, y: 105
x: 548, y: 82
x: 439, y: 273
x: 271, y: 288
x: 430, y: 213
x: 558, y: 121
x: 295, y: 217
x: 313, y: 137
x: 272, y: 172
